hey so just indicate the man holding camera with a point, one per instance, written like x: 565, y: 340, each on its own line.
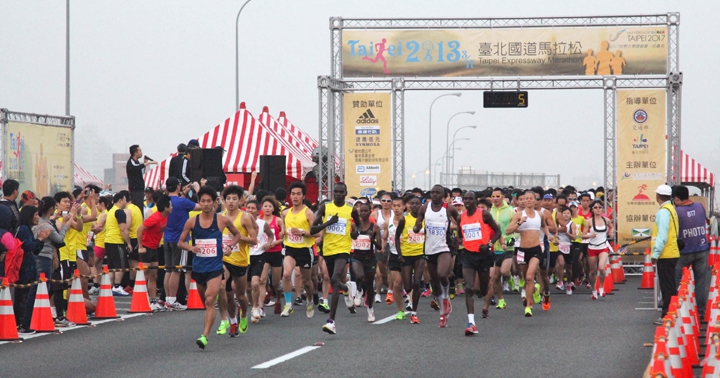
x: 135, y: 171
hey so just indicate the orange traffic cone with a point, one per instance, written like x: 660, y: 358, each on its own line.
x: 8, y: 328
x: 608, y: 284
x: 616, y: 270
x: 76, y: 311
x: 105, y: 303
x: 622, y: 270
x: 42, y: 320
x: 712, y: 256
x: 194, y: 301
x: 140, y: 300
x: 648, y: 277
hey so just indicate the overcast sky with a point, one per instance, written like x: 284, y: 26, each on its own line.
x: 158, y: 73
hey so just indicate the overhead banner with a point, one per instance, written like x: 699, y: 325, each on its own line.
x: 542, y: 51
x: 641, y: 160
x: 368, y: 143
x: 39, y: 157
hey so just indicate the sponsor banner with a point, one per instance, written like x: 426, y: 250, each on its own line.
x: 39, y: 157
x: 541, y: 51
x: 641, y: 163
x: 368, y: 143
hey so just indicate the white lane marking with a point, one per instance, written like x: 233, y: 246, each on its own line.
x: 645, y: 309
x: 285, y: 357
x: 62, y: 330
x: 388, y: 319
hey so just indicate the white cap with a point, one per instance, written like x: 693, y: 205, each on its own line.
x: 664, y: 190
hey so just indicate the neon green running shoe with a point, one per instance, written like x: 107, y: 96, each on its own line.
x: 400, y: 315
x: 224, y: 325
x: 536, y: 295
x: 528, y: 312
x: 243, y: 324
x: 501, y: 304
x: 522, y: 282
x: 201, y: 342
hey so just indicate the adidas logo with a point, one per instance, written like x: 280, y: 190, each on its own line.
x: 367, y: 117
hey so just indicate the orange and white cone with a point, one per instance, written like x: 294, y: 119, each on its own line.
x: 76, y: 311
x: 8, y: 328
x: 105, y: 303
x: 616, y: 270
x: 42, y: 320
x: 622, y: 270
x: 608, y: 284
x: 140, y: 300
x: 648, y: 276
x: 194, y: 301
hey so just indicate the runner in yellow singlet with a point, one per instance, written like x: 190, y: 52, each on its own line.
x: 410, y: 248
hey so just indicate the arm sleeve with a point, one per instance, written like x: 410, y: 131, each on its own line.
x: 55, y: 236
x: 135, y: 168
x: 184, y: 170
x: 662, y: 219
x: 120, y: 216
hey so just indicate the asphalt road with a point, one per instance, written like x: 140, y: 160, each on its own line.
x: 576, y: 338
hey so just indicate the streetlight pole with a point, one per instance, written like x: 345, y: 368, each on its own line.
x: 452, y: 170
x: 437, y: 162
x: 237, y: 58
x: 447, y: 136
x: 430, y: 136
x: 67, y: 57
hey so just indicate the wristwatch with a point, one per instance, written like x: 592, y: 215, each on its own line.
x: 303, y: 232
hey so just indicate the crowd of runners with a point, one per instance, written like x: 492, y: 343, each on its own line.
x: 248, y: 250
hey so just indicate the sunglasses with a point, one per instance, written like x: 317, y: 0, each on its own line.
x: 537, y: 198
x: 496, y: 197
x: 385, y: 200
x: 598, y: 207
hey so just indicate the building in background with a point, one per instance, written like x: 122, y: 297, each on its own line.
x: 116, y: 176
x: 92, y: 150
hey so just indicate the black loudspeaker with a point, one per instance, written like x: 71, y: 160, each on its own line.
x: 207, y: 163
x: 272, y: 172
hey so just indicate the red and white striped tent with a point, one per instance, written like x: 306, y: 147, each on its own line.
x: 245, y: 138
x: 693, y: 172
x: 285, y: 133
x: 300, y: 136
x: 83, y: 177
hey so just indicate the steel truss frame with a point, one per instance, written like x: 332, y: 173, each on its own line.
x: 332, y: 87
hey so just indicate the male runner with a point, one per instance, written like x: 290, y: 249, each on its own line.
x: 479, y: 233
x: 149, y: 234
x: 298, y: 247
x: 236, y: 264
x: 208, y: 246
x: 335, y: 218
x: 437, y: 220
x: 409, y: 246
x: 117, y: 241
x: 502, y: 213
x: 394, y: 266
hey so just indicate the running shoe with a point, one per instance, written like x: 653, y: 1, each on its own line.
x: 175, y: 306
x: 602, y: 292
x: 349, y: 302
x: 255, y: 315
x: 460, y: 291
x: 404, y: 293
x: 434, y: 304
x: 546, y: 303
x: 94, y: 290
x: 577, y: 282
x: 277, y: 307
x: 383, y: 290
x: 358, y: 300
x: 587, y: 285
x: 522, y: 282
x: 471, y: 330
x: 156, y: 307
x: 524, y: 301
x: 493, y: 301
x: 352, y: 290
x: 287, y: 310
x: 377, y: 298
x: 222, y: 329
x: 389, y: 298
x: 560, y: 286
x: 593, y: 296
x: 568, y: 288
x: 371, y: 315
x: 23, y: 331
x: 553, y: 278
x: 262, y: 312
x: 323, y: 307
x: 536, y: 295
x: 119, y: 292
x: 426, y: 293
x: 129, y: 290
x: 447, y: 306
x: 201, y: 342
x: 269, y: 303
x: 514, y: 284
x: 414, y: 319
x: 528, y: 312
x: 243, y: 326
x: 329, y: 327
x: 234, y: 330
x: 352, y: 309
x: 523, y: 293
x: 408, y: 306
x: 506, y: 286
x: 298, y: 301
x: 485, y: 314
x: 310, y: 310
x: 400, y: 315
x: 501, y: 304
x: 443, y: 321
x: 451, y: 295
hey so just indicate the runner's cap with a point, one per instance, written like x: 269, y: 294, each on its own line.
x: 457, y: 201
x: 664, y: 190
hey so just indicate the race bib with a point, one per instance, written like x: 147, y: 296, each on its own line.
x: 564, y: 248
x: 226, y: 242
x: 337, y: 228
x: 362, y: 242
x: 414, y: 238
x: 208, y: 247
x: 435, y: 229
x: 472, y: 232
x: 295, y: 239
x: 521, y: 257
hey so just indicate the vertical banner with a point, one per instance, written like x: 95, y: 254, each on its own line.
x: 641, y: 152
x: 368, y: 143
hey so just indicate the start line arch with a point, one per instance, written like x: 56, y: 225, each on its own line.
x: 637, y: 35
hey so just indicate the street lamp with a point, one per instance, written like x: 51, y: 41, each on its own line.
x: 454, y: 138
x: 437, y: 162
x: 430, y: 136
x: 237, y: 58
x: 452, y: 172
x: 447, y: 135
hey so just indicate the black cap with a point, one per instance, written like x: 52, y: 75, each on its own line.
x: 149, y: 190
x: 193, y: 143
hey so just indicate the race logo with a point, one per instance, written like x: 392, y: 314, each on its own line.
x: 367, y: 169
x: 368, y: 192
x: 640, y: 196
x: 625, y: 176
x: 640, y: 116
x: 368, y: 181
x: 640, y: 232
x: 367, y: 117
x: 640, y: 142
